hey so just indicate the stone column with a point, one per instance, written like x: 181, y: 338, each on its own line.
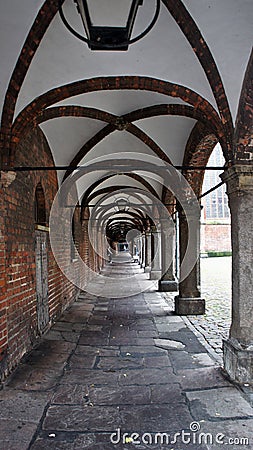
x: 168, y: 281
x: 131, y: 247
x: 155, y: 273
x: 148, y: 257
x: 189, y: 301
x: 238, y: 349
x: 143, y: 251
x: 139, y: 246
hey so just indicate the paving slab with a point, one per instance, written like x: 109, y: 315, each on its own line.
x: 16, y: 434
x: 154, y: 418
x: 117, y: 363
x: 187, y: 338
x: 72, y: 394
x: 96, y: 377
x: 52, y: 444
x: 95, y: 350
x: 200, y: 378
x: 219, y: 403
x: 184, y: 360
x: 82, y: 361
x: 32, y: 379
x: 81, y: 418
x: 170, y: 327
x: 157, y: 361
x: 234, y: 434
x: 120, y: 395
x: 146, y: 377
x: 19, y: 404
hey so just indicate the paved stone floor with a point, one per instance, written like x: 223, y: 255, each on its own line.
x: 113, y: 373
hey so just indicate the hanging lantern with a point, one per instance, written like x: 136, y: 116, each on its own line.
x: 108, y: 24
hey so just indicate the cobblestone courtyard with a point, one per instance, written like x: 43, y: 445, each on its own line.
x: 216, y: 290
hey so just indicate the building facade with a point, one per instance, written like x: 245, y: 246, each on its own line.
x: 215, y: 217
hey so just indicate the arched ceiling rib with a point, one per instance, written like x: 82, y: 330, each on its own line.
x: 139, y: 83
x: 195, y: 57
x: 118, y: 123
x: 136, y: 177
x: 200, y: 47
x: 151, y: 50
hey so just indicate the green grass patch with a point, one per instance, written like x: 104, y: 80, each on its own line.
x: 212, y: 254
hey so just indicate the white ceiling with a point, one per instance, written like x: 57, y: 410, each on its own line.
x: 165, y: 53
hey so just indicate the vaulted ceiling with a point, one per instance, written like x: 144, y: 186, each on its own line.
x: 184, y: 77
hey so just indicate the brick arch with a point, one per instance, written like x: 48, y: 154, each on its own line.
x: 89, y: 145
x: 37, y: 32
x: 206, y: 59
x: 134, y: 176
x: 111, y: 189
x: 198, y: 151
x: 40, y: 25
x: 118, y: 213
x: 243, y: 141
x: 107, y: 190
x: 120, y: 122
x: 119, y: 83
x: 116, y: 122
x: 32, y: 42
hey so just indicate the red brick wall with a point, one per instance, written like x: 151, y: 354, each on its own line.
x: 216, y: 238
x: 18, y: 314
x: 3, y: 309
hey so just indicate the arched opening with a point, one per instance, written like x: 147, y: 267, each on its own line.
x: 215, y: 251
x: 215, y: 220
x: 40, y: 216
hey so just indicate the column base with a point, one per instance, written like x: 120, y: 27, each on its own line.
x: 147, y: 269
x: 155, y: 275
x: 167, y: 286
x: 189, y: 306
x: 238, y: 361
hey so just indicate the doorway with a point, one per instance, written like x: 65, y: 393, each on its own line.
x: 41, y: 280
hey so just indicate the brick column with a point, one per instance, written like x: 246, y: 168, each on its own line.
x: 168, y: 281
x: 189, y: 301
x: 238, y: 349
x: 3, y: 293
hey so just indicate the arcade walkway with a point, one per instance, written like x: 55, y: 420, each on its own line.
x: 122, y: 365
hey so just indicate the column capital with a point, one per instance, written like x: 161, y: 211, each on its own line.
x: 239, y: 178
